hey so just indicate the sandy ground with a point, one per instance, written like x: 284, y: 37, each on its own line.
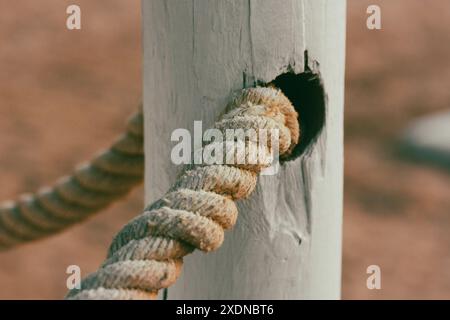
x: 65, y: 94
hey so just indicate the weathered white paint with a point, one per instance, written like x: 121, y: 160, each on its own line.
x: 195, y: 55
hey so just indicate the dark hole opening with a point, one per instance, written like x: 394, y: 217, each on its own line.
x: 307, y: 94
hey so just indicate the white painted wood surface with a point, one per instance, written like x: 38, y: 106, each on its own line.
x: 287, y: 242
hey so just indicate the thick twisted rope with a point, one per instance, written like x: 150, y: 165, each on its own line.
x: 93, y: 186
x: 146, y: 255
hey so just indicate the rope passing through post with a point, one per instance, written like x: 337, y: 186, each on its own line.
x: 92, y: 187
x: 146, y: 255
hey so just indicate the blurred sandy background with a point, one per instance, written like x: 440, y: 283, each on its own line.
x: 65, y: 94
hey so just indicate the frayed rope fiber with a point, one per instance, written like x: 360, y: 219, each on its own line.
x: 146, y: 255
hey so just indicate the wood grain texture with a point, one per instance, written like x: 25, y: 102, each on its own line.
x: 287, y: 242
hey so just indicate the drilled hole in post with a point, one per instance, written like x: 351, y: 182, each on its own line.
x: 306, y: 92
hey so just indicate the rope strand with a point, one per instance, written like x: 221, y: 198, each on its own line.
x: 146, y: 255
x: 92, y: 187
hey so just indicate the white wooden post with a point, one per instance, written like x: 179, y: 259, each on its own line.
x: 287, y: 242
